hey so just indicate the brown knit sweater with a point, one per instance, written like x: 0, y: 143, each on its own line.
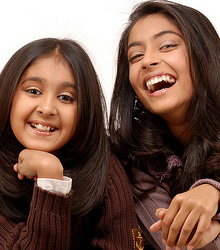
x: 111, y: 226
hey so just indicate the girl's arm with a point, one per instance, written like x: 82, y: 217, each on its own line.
x: 117, y: 227
x: 150, y: 195
x: 48, y: 223
x: 47, y: 226
x: 188, y: 220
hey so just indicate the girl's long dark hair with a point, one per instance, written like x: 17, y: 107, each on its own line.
x: 84, y: 158
x: 139, y: 137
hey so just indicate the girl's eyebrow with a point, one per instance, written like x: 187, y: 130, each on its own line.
x: 40, y: 79
x: 69, y: 85
x: 34, y: 79
x: 162, y: 33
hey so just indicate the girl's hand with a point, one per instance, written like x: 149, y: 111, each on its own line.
x: 187, y: 222
x: 33, y: 164
x: 208, y: 236
x: 157, y: 226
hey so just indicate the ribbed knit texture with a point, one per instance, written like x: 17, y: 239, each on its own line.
x: 110, y: 226
x: 114, y: 231
x: 47, y: 227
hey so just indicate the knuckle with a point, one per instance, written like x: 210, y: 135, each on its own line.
x: 178, y: 198
x: 192, y: 203
x: 200, y: 231
x: 186, y: 230
x: 204, y: 208
x: 171, y: 242
x: 166, y: 223
x: 174, y: 227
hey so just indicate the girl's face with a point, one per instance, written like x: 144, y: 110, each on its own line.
x: 159, y: 67
x: 44, y: 108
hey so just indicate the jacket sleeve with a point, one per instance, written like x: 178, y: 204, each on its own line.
x: 118, y: 229
x: 150, y: 194
x: 47, y: 226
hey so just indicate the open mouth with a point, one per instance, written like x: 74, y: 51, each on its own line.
x: 158, y: 83
x: 41, y: 128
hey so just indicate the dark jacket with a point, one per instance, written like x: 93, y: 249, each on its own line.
x: 110, y: 226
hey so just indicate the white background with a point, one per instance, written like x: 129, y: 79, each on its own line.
x: 97, y: 24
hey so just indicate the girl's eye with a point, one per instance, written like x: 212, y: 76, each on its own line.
x: 66, y: 98
x: 33, y: 91
x: 135, y: 58
x: 168, y: 47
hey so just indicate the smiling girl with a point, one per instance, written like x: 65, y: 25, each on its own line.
x: 164, y: 121
x: 52, y: 130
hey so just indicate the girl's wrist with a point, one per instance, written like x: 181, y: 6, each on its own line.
x: 51, y: 169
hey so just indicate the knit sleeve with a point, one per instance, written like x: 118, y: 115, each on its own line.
x: 206, y: 181
x: 47, y: 226
x: 118, y: 228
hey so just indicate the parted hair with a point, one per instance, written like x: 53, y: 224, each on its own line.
x: 84, y: 157
x: 139, y: 137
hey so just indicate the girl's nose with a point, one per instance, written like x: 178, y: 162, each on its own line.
x: 47, y: 107
x: 150, y: 60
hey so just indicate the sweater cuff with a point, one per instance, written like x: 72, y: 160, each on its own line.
x: 206, y: 181
x: 55, y: 186
x: 50, y: 203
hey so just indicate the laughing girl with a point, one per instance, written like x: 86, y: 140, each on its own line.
x: 165, y: 121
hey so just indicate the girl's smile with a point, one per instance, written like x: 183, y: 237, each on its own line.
x: 44, y: 109
x: 159, y: 67
x: 43, y: 128
x: 159, y: 82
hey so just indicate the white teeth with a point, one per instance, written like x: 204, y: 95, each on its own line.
x: 157, y: 79
x: 42, y: 128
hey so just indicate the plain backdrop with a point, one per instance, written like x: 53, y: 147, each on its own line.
x: 97, y: 24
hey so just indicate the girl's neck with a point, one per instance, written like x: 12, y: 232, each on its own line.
x: 181, y: 131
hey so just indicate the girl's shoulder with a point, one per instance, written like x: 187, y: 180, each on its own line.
x: 116, y: 170
x: 117, y: 180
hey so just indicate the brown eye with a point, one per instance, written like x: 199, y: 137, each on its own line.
x: 33, y: 91
x: 168, y: 46
x: 135, y: 58
x: 66, y: 98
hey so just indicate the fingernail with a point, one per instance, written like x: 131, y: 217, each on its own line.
x: 190, y: 247
x: 177, y: 248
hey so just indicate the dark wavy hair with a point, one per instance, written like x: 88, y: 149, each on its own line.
x: 139, y: 137
x: 84, y: 158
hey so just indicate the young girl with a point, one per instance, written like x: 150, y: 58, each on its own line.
x: 164, y: 121
x: 52, y: 130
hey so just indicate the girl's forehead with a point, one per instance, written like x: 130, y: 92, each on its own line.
x: 154, y: 23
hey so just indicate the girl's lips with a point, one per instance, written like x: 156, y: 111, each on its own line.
x: 159, y: 82
x: 42, y: 127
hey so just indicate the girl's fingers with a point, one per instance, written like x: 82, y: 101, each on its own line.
x: 168, y: 220
x: 209, y: 235
x: 157, y: 226
x: 16, y: 167
x: 200, y: 231
x: 174, y: 229
x: 181, y: 227
x: 188, y: 229
x: 20, y: 176
x: 35, y: 178
x: 160, y: 213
